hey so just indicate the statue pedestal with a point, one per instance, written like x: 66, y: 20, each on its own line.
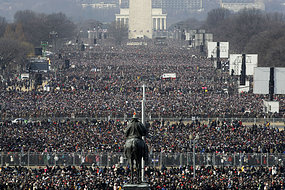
x: 141, y: 186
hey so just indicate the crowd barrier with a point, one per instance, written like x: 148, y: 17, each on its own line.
x: 272, y: 121
x: 155, y: 159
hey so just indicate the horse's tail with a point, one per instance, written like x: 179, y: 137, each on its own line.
x: 131, y: 148
x: 135, y: 149
x: 134, y: 146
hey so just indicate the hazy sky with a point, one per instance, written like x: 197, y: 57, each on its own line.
x: 9, y: 7
x: 73, y: 10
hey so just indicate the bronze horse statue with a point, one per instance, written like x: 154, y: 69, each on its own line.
x: 135, y: 148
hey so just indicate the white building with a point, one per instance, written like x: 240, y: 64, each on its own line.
x: 123, y: 17
x: 140, y: 22
x: 237, y: 5
x: 191, y: 5
x: 178, y: 4
x: 158, y: 19
x: 100, y: 5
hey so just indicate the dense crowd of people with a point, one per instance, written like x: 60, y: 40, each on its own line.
x: 107, y: 136
x: 114, y: 178
x: 106, y: 81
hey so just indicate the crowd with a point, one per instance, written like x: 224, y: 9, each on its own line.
x: 107, y: 136
x: 113, y: 178
x: 106, y: 81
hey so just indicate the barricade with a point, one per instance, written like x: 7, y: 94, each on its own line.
x: 155, y: 159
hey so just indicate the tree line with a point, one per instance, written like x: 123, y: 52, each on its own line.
x: 249, y: 31
x: 18, y: 39
x: 30, y: 29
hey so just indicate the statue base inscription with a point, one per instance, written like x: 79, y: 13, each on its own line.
x: 142, y: 186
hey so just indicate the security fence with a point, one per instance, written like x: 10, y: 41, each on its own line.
x: 155, y: 159
x: 271, y: 120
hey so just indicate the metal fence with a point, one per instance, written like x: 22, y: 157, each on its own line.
x: 229, y: 119
x: 155, y: 159
x: 172, y: 119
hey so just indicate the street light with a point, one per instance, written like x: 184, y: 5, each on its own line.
x: 194, y: 152
x: 143, y: 138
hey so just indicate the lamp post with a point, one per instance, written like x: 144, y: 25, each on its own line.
x: 194, y: 152
x: 143, y: 122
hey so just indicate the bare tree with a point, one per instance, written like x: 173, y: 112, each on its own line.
x: 217, y: 16
x: 9, y: 50
x: 3, y: 25
x: 250, y: 31
x: 38, y: 26
x: 13, y: 54
x: 118, y: 32
x: 269, y: 45
x: 13, y: 49
x: 239, y: 28
x: 89, y: 24
x: 190, y: 23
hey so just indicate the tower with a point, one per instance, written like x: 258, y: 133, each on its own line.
x: 140, y: 19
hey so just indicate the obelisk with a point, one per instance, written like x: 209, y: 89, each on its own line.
x: 140, y: 19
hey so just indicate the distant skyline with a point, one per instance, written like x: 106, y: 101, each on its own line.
x: 74, y: 9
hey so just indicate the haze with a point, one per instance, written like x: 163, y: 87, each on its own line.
x: 74, y: 9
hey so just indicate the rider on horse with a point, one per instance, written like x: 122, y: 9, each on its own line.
x: 135, y: 129
x: 135, y: 148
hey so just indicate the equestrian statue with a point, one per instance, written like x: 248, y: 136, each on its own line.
x: 135, y: 148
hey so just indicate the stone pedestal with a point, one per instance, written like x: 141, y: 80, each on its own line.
x: 142, y: 186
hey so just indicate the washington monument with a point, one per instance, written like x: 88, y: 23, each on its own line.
x: 140, y: 19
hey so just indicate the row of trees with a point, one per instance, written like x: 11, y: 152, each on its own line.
x: 251, y: 31
x: 248, y: 31
x: 18, y: 39
x: 37, y: 26
x: 13, y: 47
